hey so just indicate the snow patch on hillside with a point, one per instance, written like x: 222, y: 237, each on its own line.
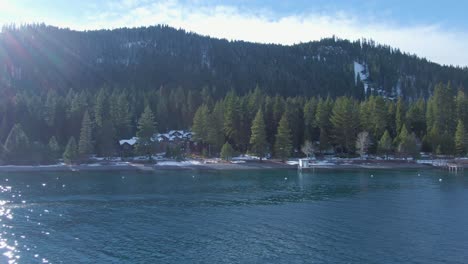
x: 360, y: 70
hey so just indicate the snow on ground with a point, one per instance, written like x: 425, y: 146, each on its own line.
x: 94, y: 165
x: 360, y: 70
x: 237, y: 161
x: 178, y: 163
x: 245, y: 157
x: 434, y: 162
x: 212, y: 161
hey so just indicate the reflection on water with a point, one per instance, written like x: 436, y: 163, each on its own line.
x: 225, y: 217
x: 9, y: 248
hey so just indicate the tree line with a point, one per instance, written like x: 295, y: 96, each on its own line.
x: 284, y: 127
x: 41, y: 129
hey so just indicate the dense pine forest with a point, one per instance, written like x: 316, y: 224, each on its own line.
x: 71, y: 94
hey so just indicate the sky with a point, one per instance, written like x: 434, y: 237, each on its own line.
x: 436, y: 30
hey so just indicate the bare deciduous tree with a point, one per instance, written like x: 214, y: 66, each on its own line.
x: 362, y: 143
x: 308, y: 148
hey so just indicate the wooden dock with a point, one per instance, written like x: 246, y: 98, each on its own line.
x: 450, y: 165
x: 304, y: 164
x: 454, y: 167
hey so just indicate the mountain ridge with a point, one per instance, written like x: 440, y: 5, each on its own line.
x: 47, y: 57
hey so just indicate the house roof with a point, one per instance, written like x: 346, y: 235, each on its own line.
x: 131, y: 141
x: 170, y: 136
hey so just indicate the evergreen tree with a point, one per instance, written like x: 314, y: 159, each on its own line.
x: 462, y: 107
x: 270, y: 121
x: 460, y: 139
x: 385, y: 144
x: 231, y: 118
x: 391, y: 113
x: 146, y: 130
x: 324, y: 144
x: 17, y: 146
x: 416, y: 119
x: 101, y: 108
x: 283, y: 143
x: 400, y: 114
x: 215, y: 127
x: 54, y: 148
x: 294, y: 107
x: 120, y: 115
x: 71, y: 154
x: 402, y: 135
x: 310, y: 131
x: 345, y: 120
x: 407, y: 143
x: 50, y: 108
x: 227, y: 151
x: 200, y: 124
x: 85, y: 145
x: 442, y: 110
x: 258, y: 142
x: 322, y: 119
x: 107, y: 139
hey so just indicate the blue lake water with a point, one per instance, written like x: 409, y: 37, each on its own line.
x: 235, y: 217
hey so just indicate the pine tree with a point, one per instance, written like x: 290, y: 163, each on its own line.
x: 101, y: 108
x: 407, y: 145
x: 416, y: 119
x: 378, y: 116
x: 227, y: 151
x: 215, y: 128
x: 460, y: 139
x: 200, y: 124
x: 400, y: 115
x: 231, y: 118
x: 324, y: 143
x: 309, y: 120
x: 323, y: 114
x: 50, y: 108
x: 120, y: 115
x: 345, y: 120
x: 85, y: 145
x: 146, y: 130
x: 70, y: 155
x: 385, y: 144
x: 244, y: 125
x: 54, y: 147
x: 258, y: 142
x: 107, y: 139
x: 283, y: 143
x: 294, y: 107
x: 17, y: 146
x: 462, y: 107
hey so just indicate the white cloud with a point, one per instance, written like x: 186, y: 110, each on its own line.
x: 431, y: 41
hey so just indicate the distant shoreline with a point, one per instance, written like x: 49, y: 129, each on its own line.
x: 251, y: 165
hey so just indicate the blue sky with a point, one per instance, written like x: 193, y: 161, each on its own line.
x: 437, y: 30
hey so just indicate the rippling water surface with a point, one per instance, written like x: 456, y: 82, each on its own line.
x: 234, y: 217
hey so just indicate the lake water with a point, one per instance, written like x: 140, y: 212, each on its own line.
x: 235, y: 217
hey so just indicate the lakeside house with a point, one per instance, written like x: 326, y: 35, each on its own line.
x: 173, y: 138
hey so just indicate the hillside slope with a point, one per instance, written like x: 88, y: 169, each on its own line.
x: 40, y: 58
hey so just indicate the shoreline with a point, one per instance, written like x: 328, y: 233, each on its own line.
x: 251, y: 165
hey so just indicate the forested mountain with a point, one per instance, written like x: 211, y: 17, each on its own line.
x: 86, y: 90
x: 40, y: 58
